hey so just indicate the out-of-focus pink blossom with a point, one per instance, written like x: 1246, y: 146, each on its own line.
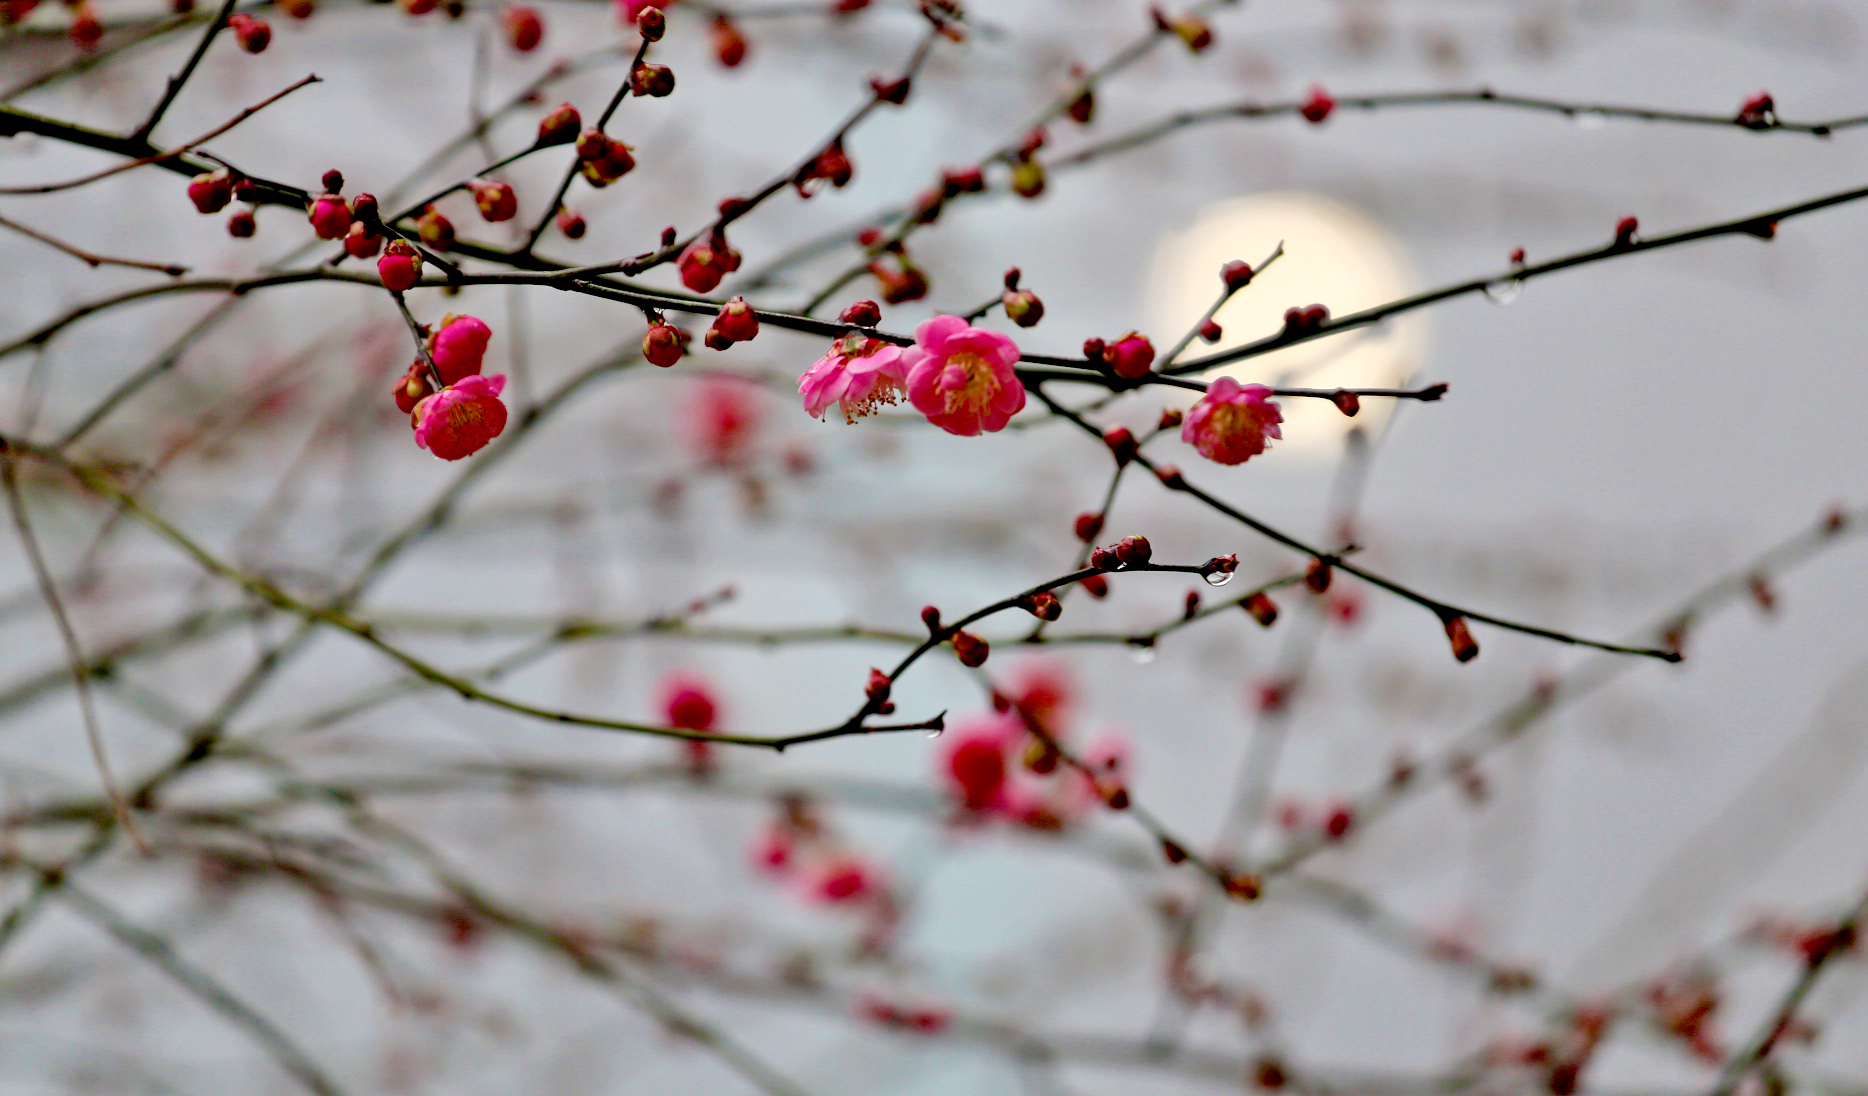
x: 1232, y: 422
x: 859, y: 375
x: 723, y: 420
x: 844, y: 879
x: 687, y: 702
x: 973, y: 759
x: 963, y: 378
x: 461, y: 419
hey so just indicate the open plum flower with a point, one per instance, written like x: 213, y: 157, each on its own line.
x: 963, y: 378
x: 462, y: 418
x: 859, y: 375
x: 1233, y: 422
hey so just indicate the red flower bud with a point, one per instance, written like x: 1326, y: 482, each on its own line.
x: 662, y: 345
x: 862, y: 314
x: 1242, y: 885
x: 329, y: 216
x: 1758, y: 112
x: 241, y: 224
x: 496, y: 201
x: 1170, y: 418
x: 560, y: 127
x: 1194, y: 32
x: 360, y: 243
x: 1132, y: 356
x: 435, y: 230
x: 253, y: 34
x: 1263, y: 609
x: 400, y: 267
x: 1337, y: 824
x: 728, y: 44
x: 907, y: 283
x: 602, y: 159
x: 1093, y: 349
x: 1094, y: 585
x: 930, y: 616
x: 716, y: 340
x: 1028, y: 178
x: 1023, y: 307
x: 1517, y: 256
x: 297, y: 9
x: 1210, y: 331
x: 737, y: 322
x: 1318, y: 107
x: 970, y: 649
x: 1134, y: 550
x: 210, y: 191
x: 1625, y: 230
x: 571, y: 223
x: 1088, y: 524
x: 651, y: 24
x: 891, y: 91
x: 1192, y: 606
x: 1465, y: 648
x: 969, y: 181
x: 334, y: 181
x: 877, y: 689
x: 1121, y: 443
x: 1317, y: 575
x: 1083, y: 107
x: 1172, y: 851
x: 701, y: 267
x: 413, y: 387
x: 1346, y: 401
x: 1105, y: 559
x: 1170, y: 477
x: 524, y: 29
x: 1237, y: 274
x: 1044, y: 606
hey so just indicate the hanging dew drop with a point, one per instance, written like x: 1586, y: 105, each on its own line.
x: 1589, y: 119
x: 1217, y: 578
x: 1143, y: 654
x: 1504, y: 290
x: 934, y: 732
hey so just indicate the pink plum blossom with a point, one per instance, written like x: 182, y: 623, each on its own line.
x: 459, y: 420
x: 1232, y: 421
x: 459, y: 347
x: 859, y: 375
x: 963, y: 378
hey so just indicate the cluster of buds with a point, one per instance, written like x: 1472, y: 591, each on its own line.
x: 877, y: 690
x: 1022, y: 306
x: 1127, y: 553
x: 254, y: 35
x: 1305, y: 320
x: 654, y: 81
x: 330, y: 215
x: 602, y: 159
x: 705, y: 262
x: 737, y: 322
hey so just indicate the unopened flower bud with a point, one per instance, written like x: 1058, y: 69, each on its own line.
x: 254, y: 35
x: 651, y: 24
x: 1088, y: 524
x: 1517, y: 256
x: 1044, y: 606
x: 413, y: 387
x: 729, y: 46
x: 361, y: 243
x: 560, y: 127
x: 1194, y: 32
x: 1237, y: 274
x: 1083, y: 107
x: 210, y: 191
x: 1317, y: 575
x: 1094, y: 585
x: 571, y: 223
x: 1105, y: 559
x: 877, y: 690
x: 1318, y: 107
x: 241, y: 224
x: 1040, y: 757
x: 1170, y: 477
x: 969, y: 181
x: 329, y: 217
x: 1758, y: 112
x: 1625, y: 230
x: 1117, y: 797
x: 1242, y: 885
x: 1131, y: 356
x: 602, y: 159
x: 662, y: 345
x: 1263, y: 609
x: 862, y: 314
x: 435, y: 230
x: 930, y: 616
x: 1134, y: 551
x: 1172, y: 851
x: 1210, y: 331
x: 400, y: 267
x: 1121, y: 443
x: 737, y: 322
x: 1170, y: 418
x: 1465, y: 648
x: 970, y: 649
x: 523, y: 26
x: 1028, y: 178
x: 334, y: 181
x: 496, y: 200
x: 1093, y: 349
x: 715, y: 339
x: 1346, y: 401
x: 891, y: 91
x: 1023, y: 307
x: 1191, y: 607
